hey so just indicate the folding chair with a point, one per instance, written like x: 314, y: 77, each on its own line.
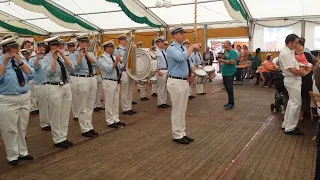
x: 261, y: 80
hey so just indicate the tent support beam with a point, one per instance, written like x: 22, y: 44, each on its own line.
x: 26, y: 23
x: 69, y: 12
x: 246, y: 9
x: 205, y: 37
x: 287, y: 18
x: 303, y: 28
x: 189, y: 3
x: 164, y: 24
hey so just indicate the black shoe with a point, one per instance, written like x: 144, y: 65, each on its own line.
x: 134, y: 103
x: 34, y: 112
x: 295, y: 132
x: 134, y: 112
x: 181, y: 141
x: 128, y: 112
x: 203, y: 93
x: 13, y: 163
x: 69, y: 143
x: 145, y: 99
x: 113, y: 126
x: 87, y: 134
x: 97, y: 109
x: 229, y: 106
x: 167, y: 105
x: 190, y: 97
x: 47, y: 128
x: 62, y: 145
x: 94, y: 132
x: 162, y: 106
x: 26, y: 158
x: 154, y: 95
x: 120, y: 123
x: 103, y: 109
x: 295, y: 129
x: 188, y: 138
x: 76, y: 119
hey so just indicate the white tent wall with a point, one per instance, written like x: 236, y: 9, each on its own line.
x: 272, y: 38
x: 312, y: 36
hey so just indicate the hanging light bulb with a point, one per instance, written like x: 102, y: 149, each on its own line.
x: 158, y: 4
x: 168, y: 4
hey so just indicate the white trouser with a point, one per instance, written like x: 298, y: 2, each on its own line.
x: 99, y: 94
x: 59, y: 100
x: 154, y: 88
x: 42, y: 96
x: 111, y: 90
x: 126, y: 91
x: 14, y: 112
x: 190, y: 90
x: 179, y: 91
x: 87, y: 89
x: 142, y: 89
x: 75, y: 96
x: 162, y: 89
x: 33, y: 98
x: 291, y: 116
x: 199, y: 87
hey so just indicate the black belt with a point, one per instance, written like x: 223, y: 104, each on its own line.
x: 57, y: 83
x: 163, y: 69
x: 178, y: 78
x: 79, y: 75
x: 110, y: 79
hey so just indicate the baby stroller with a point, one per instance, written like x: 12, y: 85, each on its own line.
x: 280, y: 89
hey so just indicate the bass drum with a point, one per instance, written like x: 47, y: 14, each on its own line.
x: 144, y: 64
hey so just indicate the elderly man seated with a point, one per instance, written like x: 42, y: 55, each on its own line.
x: 267, y: 70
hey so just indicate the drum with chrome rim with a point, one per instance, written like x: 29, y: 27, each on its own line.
x: 201, y: 76
x: 210, y: 70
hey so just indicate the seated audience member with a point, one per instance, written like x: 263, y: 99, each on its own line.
x: 267, y: 69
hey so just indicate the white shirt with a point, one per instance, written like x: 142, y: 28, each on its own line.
x: 287, y: 60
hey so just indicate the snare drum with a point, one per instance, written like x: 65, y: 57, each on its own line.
x: 201, y: 76
x: 210, y: 70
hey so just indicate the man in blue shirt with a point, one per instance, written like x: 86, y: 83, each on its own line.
x: 110, y: 69
x: 15, y: 74
x: 229, y: 67
x: 180, y: 72
x: 84, y: 85
x: 40, y: 89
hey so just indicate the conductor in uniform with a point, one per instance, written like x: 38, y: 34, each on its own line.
x: 110, y: 68
x: 15, y: 74
x: 180, y: 72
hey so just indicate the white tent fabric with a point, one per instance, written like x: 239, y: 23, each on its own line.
x: 271, y: 18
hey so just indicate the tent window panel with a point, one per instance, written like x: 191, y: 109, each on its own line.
x: 274, y: 38
x: 317, y: 37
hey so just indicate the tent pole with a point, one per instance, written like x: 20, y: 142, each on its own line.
x: 205, y: 38
x: 303, y: 28
x: 195, y: 21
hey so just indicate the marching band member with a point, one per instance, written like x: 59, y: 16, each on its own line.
x: 180, y: 71
x: 40, y: 89
x: 25, y: 54
x: 84, y: 85
x: 71, y: 46
x: 55, y: 66
x: 110, y: 69
x: 15, y: 74
x: 126, y: 80
x: 196, y: 56
x: 142, y: 88
x: 186, y: 43
x: 161, y: 74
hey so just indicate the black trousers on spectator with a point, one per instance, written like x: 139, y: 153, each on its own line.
x: 317, y: 172
x: 228, y: 84
x: 268, y: 77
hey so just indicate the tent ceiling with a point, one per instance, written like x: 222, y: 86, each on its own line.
x: 110, y: 17
x: 283, y: 8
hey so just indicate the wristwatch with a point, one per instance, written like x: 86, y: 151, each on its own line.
x: 21, y: 64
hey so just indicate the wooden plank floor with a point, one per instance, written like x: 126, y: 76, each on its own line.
x: 244, y: 143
